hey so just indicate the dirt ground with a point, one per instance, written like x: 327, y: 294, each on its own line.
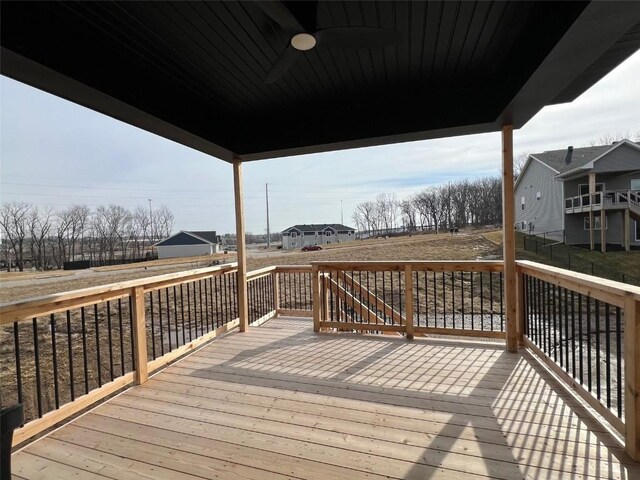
x: 464, y: 246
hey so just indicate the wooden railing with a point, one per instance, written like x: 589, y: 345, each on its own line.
x: 604, y: 199
x: 411, y: 298
x: 62, y: 353
x: 587, y: 330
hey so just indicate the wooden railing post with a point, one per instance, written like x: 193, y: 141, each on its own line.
x: 632, y: 376
x: 408, y: 299
x: 315, y: 279
x: 508, y: 243
x: 276, y: 291
x: 139, y: 334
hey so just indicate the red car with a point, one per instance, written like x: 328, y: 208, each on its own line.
x: 311, y: 248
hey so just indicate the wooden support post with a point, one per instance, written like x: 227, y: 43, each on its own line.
x: 276, y: 291
x: 627, y: 232
x: 315, y: 279
x: 243, y: 307
x: 521, y: 312
x: 139, y: 334
x: 592, y: 190
x: 632, y: 376
x: 408, y: 299
x: 509, y: 244
x: 603, y: 230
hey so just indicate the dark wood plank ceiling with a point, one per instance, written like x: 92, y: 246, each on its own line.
x: 200, y: 66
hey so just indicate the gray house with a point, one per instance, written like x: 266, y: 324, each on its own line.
x: 189, y: 244
x: 299, y: 236
x: 570, y: 194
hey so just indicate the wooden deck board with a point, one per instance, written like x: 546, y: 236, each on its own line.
x: 283, y: 402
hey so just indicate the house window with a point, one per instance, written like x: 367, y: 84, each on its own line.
x: 522, y: 203
x: 538, y: 195
x: 635, y: 184
x: 596, y: 223
x: 637, y: 230
x: 524, y: 226
x: 294, y: 234
x: 584, y: 188
x: 328, y: 233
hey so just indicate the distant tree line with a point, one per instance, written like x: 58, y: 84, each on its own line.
x: 465, y: 202
x: 46, y: 237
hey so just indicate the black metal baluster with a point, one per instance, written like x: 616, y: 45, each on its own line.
x: 453, y: 300
x: 168, y: 303
x: 444, y: 301
x: 573, y: 335
x: 417, y: 282
x: 84, y: 350
x: 110, y: 338
x: 580, y: 341
x: 557, y: 327
x: 133, y: 350
x: 54, y: 355
x: 189, y: 313
x: 462, y: 297
x: 160, y: 323
x: 471, y: 295
x: 36, y: 354
x: 426, y: 300
x: 206, y: 305
x: 491, y: 299
x: 333, y: 319
x: 589, y: 369
x: 175, y: 316
x: 202, y: 320
x: 368, y: 302
x: 96, y: 322
x: 16, y: 344
x: 72, y: 389
x: 481, y: 302
x: 121, y: 337
x: 597, y: 324
x: 619, y: 365
x: 218, y: 295
x: 153, y: 324
x: 501, y: 301
x: 607, y: 331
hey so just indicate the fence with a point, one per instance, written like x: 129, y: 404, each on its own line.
x: 564, y: 256
x: 82, y: 264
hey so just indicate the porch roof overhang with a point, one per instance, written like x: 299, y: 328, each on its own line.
x: 193, y: 72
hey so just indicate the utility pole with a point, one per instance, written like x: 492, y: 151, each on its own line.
x: 266, y: 185
x: 341, y: 215
x: 150, y: 223
x: 449, y: 207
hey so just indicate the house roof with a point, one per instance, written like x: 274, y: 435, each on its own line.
x: 189, y: 238
x: 581, y: 158
x: 194, y: 72
x: 318, y: 227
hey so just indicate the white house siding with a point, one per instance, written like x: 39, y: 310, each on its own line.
x: 544, y: 214
x: 174, y: 251
x: 318, y: 238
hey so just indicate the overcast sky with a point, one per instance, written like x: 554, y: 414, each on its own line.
x: 55, y: 153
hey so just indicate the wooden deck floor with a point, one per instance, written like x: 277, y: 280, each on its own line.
x: 283, y: 402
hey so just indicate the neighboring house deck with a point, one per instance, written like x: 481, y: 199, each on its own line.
x: 284, y: 402
x: 570, y: 193
x: 298, y: 236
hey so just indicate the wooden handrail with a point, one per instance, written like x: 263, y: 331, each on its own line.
x: 603, y: 289
x: 38, y: 306
x: 415, y: 265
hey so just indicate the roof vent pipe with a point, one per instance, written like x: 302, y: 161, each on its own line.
x: 567, y: 159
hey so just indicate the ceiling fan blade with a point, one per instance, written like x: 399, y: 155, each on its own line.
x: 357, y: 37
x: 282, y: 65
x: 280, y: 14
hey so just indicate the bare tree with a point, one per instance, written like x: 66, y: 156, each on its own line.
x: 519, y: 163
x: 40, y: 224
x: 14, y: 222
x: 163, y: 220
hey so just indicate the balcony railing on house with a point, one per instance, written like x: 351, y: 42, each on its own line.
x: 64, y: 352
x: 608, y: 200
